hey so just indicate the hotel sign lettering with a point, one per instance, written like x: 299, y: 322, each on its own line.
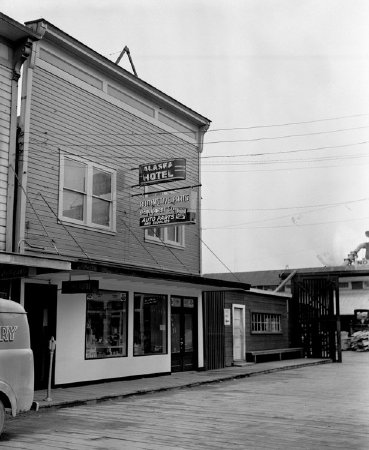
x: 162, y: 172
x: 168, y: 209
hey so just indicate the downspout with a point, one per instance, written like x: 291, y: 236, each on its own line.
x: 23, y: 148
x: 201, y: 134
x: 19, y: 57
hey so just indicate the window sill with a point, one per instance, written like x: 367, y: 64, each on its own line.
x: 165, y: 244
x: 86, y: 227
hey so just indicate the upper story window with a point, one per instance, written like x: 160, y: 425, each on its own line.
x: 172, y: 235
x: 87, y: 193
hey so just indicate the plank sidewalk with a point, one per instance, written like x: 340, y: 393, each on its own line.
x: 95, y: 392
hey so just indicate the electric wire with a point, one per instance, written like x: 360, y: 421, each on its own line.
x: 65, y: 228
x: 251, y: 127
x: 288, y: 226
x: 289, y: 207
x: 34, y: 210
x: 227, y: 141
x: 240, y: 163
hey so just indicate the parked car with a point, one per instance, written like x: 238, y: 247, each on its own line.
x: 16, y: 361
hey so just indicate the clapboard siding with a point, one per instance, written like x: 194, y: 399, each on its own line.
x: 66, y: 118
x: 5, y: 116
x: 262, y: 304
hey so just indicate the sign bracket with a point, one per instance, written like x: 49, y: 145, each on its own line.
x: 165, y: 190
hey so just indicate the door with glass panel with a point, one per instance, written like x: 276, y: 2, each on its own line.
x: 184, y: 333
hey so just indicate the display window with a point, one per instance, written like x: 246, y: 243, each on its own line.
x: 106, y: 324
x: 150, y: 324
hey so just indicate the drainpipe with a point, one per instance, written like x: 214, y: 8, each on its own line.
x: 201, y: 134
x: 19, y: 57
x: 22, y: 154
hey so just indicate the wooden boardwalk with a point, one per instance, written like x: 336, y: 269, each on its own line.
x: 318, y: 407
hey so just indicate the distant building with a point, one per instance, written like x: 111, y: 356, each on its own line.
x: 353, y: 285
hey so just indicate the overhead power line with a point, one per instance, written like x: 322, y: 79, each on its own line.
x: 319, y: 205
x: 228, y: 141
x: 287, y: 226
x: 214, y: 130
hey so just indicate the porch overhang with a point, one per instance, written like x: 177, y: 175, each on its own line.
x: 14, y: 260
x: 106, y: 268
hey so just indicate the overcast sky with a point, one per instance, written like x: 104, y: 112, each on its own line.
x: 286, y: 86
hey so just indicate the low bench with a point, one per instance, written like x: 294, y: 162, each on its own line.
x: 275, y: 351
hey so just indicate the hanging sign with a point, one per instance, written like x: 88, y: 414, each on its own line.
x: 168, y: 208
x: 162, y: 172
x: 80, y: 286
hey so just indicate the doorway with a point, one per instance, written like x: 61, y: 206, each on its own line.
x: 184, y: 333
x: 40, y: 304
x: 239, y: 344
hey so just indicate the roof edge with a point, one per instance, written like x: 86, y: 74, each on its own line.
x: 67, y: 41
x: 120, y: 269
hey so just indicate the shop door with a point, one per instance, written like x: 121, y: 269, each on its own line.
x: 40, y: 304
x: 238, y: 334
x: 184, y: 334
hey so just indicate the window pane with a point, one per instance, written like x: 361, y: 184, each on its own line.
x: 156, y: 232
x: 74, y: 175
x: 150, y: 324
x: 172, y: 233
x: 188, y: 337
x: 176, y: 333
x: 101, y: 184
x: 73, y: 205
x: 106, y: 325
x: 100, y: 212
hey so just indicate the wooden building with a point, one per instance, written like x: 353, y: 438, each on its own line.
x: 238, y: 323
x: 108, y: 190
x: 16, y: 42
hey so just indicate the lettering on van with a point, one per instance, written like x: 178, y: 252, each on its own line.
x: 7, y: 333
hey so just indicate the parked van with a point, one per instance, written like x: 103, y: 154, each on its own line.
x: 16, y: 360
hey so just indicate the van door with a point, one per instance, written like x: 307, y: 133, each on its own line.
x: 40, y: 304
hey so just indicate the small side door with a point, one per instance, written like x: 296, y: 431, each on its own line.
x: 239, y: 344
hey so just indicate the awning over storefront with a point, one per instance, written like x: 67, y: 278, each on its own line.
x: 83, y: 266
x: 15, y: 263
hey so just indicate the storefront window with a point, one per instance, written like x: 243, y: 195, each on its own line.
x: 150, y: 324
x: 106, y: 325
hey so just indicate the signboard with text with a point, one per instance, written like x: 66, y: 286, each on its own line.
x: 161, y: 209
x: 162, y: 172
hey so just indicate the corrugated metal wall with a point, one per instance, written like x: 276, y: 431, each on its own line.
x: 214, y: 339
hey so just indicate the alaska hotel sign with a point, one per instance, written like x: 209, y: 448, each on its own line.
x: 163, y: 208
x: 162, y: 172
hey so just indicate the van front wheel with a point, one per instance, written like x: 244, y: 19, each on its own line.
x: 2, y: 416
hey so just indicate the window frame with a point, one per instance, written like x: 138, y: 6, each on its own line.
x: 165, y: 240
x: 164, y: 297
x: 263, y: 323
x: 88, y: 195
x: 125, y: 329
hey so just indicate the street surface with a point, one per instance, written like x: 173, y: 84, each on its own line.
x: 317, y: 407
